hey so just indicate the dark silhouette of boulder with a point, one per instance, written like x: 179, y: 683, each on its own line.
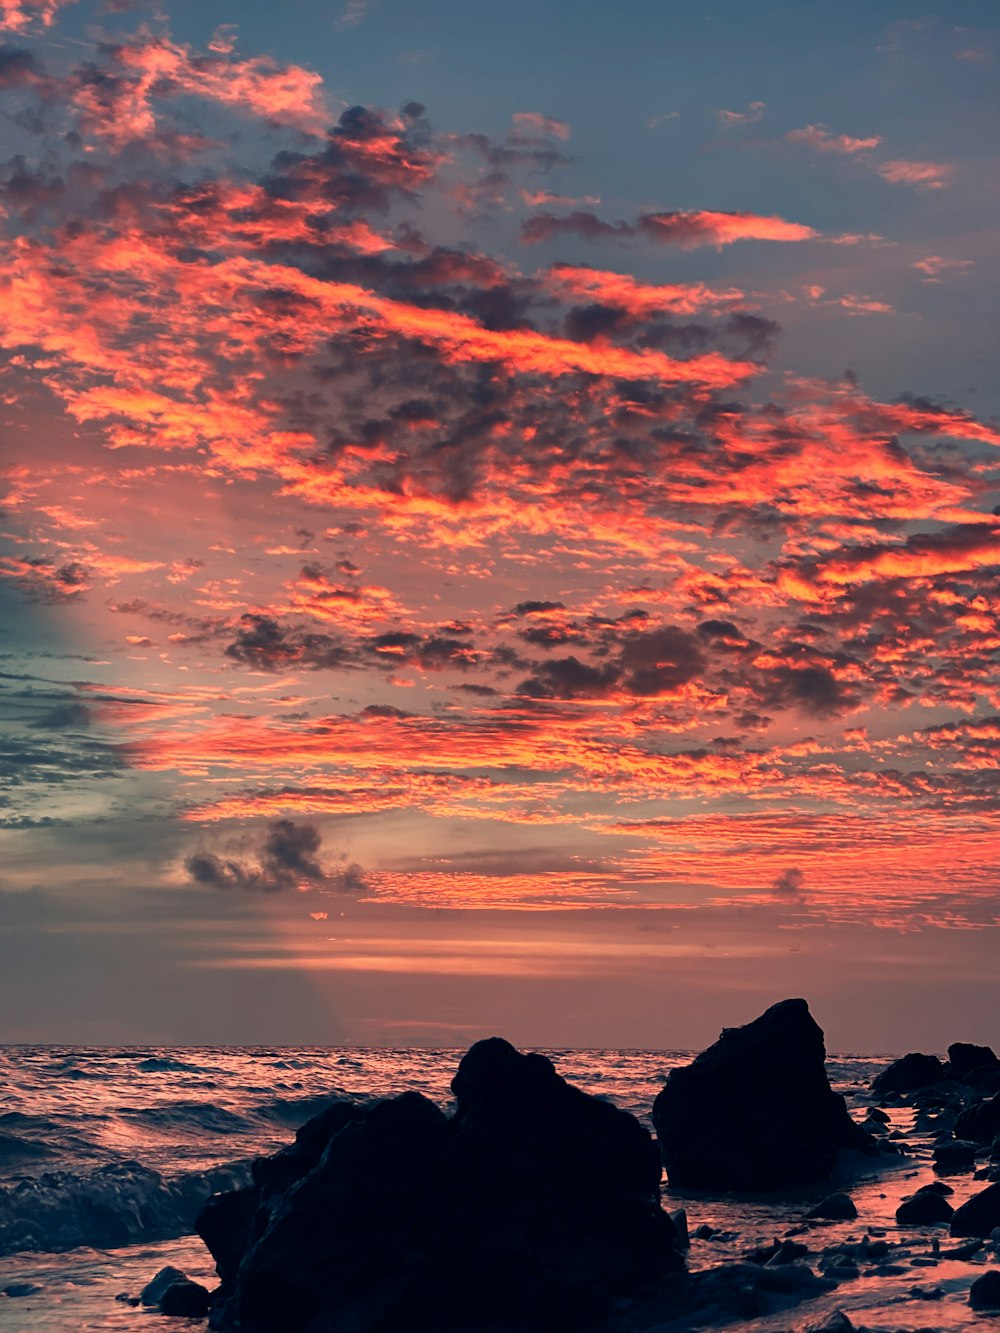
x: 834, y: 1208
x: 980, y: 1122
x: 926, y: 1208
x: 187, y: 1299
x: 964, y: 1057
x: 534, y: 1204
x: 954, y: 1158
x: 984, y: 1294
x: 755, y: 1112
x: 157, y: 1285
x: 978, y: 1215
x: 909, y: 1073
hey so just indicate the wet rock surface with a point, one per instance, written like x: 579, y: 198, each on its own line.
x: 755, y: 1112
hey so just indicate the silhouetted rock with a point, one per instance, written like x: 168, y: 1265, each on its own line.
x: 909, y: 1073
x: 837, y: 1322
x: 186, y: 1298
x: 755, y: 1111
x: 954, y: 1158
x: 834, y: 1208
x: 534, y: 1204
x: 978, y: 1215
x: 156, y: 1286
x: 980, y: 1122
x: 984, y: 1294
x: 926, y: 1208
x: 965, y: 1059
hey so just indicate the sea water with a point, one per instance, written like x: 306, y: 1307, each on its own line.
x: 113, y: 1143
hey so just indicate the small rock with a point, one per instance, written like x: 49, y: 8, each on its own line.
x: 787, y: 1253
x: 21, y: 1289
x: 984, y: 1294
x: 965, y: 1251
x: 703, y: 1232
x: 924, y: 1209
x: 834, y: 1208
x: 152, y: 1292
x: 936, y: 1187
x: 837, y: 1322
x: 927, y: 1293
x: 186, y: 1298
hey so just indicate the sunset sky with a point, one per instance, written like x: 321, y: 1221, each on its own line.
x: 499, y: 519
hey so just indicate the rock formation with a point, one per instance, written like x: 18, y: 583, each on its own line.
x: 755, y: 1112
x: 534, y: 1204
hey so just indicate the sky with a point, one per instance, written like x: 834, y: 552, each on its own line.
x: 499, y: 521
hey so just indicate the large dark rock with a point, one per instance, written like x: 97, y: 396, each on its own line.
x: 909, y: 1073
x: 755, y: 1112
x: 978, y: 1215
x: 984, y: 1294
x: 531, y: 1207
x: 966, y: 1059
x: 981, y: 1122
x: 954, y: 1158
x: 926, y: 1208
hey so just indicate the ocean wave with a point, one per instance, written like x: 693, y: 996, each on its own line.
x: 111, y: 1206
x: 296, y: 1111
x: 13, y: 1146
x: 206, y: 1116
x: 156, y: 1064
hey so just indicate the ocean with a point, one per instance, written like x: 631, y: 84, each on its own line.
x: 105, y: 1152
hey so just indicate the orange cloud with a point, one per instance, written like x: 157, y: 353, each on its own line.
x: 121, y: 109
x: 639, y: 298
x: 818, y: 136
x: 921, y: 175
x: 708, y: 227
x: 19, y: 15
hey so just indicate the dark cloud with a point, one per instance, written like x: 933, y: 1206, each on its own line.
x: 21, y: 69
x: 545, y: 226
x: 660, y: 660
x: 288, y: 858
x: 68, y: 716
x: 369, y: 159
x: 789, y: 885
x: 569, y: 678
x: 269, y: 646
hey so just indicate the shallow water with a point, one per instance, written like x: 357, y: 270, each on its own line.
x: 65, y: 1112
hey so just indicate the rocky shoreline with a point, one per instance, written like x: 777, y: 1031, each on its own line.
x: 536, y: 1206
